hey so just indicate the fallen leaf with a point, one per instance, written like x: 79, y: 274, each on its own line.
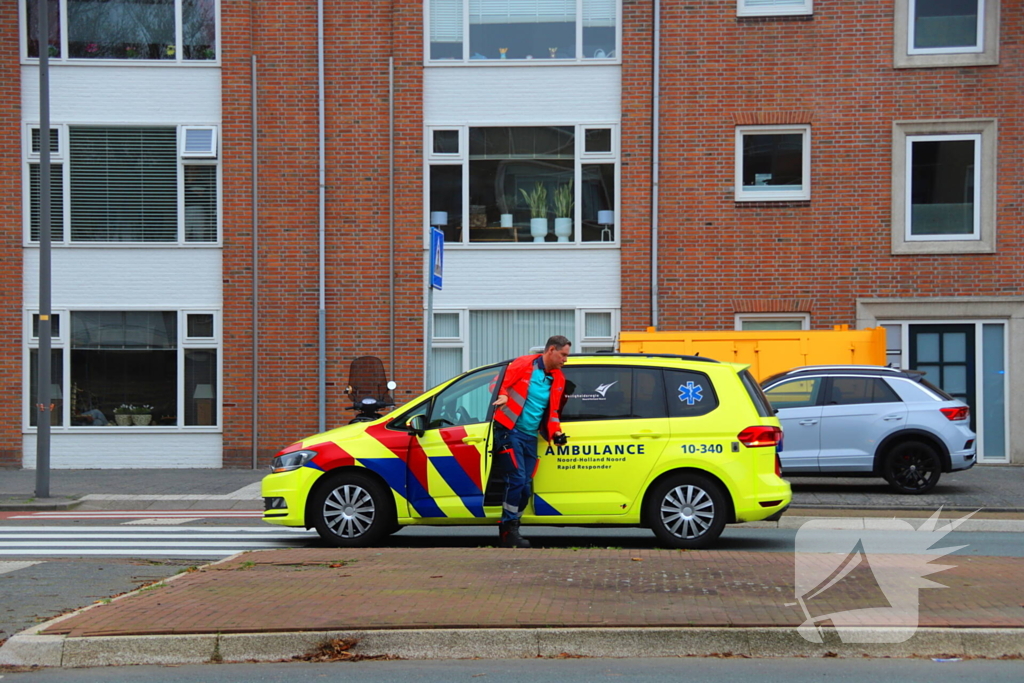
x: 637, y: 559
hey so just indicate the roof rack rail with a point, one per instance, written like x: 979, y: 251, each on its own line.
x: 606, y: 354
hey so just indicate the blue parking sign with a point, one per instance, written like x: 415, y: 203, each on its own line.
x: 436, y: 257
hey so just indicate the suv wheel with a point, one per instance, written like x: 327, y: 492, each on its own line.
x: 912, y: 467
x: 687, y: 511
x: 352, y: 510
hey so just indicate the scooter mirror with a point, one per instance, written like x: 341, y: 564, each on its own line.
x: 392, y: 386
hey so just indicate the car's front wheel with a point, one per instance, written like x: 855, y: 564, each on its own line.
x: 912, y: 467
x: 687, y: 511
x: 353, y: 510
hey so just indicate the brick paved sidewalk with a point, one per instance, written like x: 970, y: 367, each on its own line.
x: 399, y: 588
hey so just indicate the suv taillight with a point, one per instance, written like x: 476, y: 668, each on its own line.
x: 961, y: 413
x: 760, y: 436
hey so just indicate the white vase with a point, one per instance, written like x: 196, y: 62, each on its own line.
x: 142, y: 420
x: 539, y: 229
x: 506, y: 218
x: 122, y: 420
x: 563, y: 228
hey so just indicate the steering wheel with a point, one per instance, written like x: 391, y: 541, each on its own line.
x: 463, y: 417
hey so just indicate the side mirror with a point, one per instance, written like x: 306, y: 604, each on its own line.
x: 418, y: 424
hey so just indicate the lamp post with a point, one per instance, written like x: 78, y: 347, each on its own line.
x: 43, y: 404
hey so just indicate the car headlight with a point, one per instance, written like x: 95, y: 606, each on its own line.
x: 291, y: 461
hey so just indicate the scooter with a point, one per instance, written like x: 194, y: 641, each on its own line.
x: 369, y: 389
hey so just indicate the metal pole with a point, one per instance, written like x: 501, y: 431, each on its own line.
x: 43, y: 377
x: 430, y: 323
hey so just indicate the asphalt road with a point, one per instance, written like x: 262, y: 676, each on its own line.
x: 653, y: 670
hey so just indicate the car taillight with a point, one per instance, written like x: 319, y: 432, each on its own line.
x: 760, y: 436
x: 961, y: 413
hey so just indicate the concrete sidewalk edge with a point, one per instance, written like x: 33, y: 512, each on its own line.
x: 61, y: 651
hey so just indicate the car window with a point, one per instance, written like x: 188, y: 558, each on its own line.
x: 403, y: 421
x: 854, y: 390
x: 764, y: 408
x: 466, y: 401
x: 689, y: 394
x: 600, y: 393
x: 796, y: 393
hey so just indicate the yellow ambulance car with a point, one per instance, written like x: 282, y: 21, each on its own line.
x: 682, y: 445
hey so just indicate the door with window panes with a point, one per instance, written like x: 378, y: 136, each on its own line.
x: 618, y: 427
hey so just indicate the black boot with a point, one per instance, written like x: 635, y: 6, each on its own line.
x: 508, y: 536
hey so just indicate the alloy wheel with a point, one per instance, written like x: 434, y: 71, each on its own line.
x: 687, y: 512
x: 349, y: 511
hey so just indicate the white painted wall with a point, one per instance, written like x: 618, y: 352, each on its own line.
x: 139, y: 276
x: 132, y: 277
x: 110, y: 450
x: 125, y: 94
x: 530, y: 278
x: 521, y: 95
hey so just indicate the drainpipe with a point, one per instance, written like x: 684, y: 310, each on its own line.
x: 322, y: 304
x: 655, y: 161
x: 255, y: 275
x: 391, y: 216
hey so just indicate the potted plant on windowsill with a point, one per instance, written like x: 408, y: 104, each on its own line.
x: 142, y: 415
x: 538, y: 203
x: 563, y: 212
x: 123, y: 414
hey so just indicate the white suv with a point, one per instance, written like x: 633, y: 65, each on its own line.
x: 869, y: 420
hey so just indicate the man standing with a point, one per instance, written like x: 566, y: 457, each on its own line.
x: 529, y: 400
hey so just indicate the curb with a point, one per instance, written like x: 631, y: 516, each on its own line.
x: 60, y: 651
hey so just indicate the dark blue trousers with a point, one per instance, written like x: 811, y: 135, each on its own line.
x: 517, y: 458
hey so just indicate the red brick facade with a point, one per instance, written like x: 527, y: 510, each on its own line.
x: 835, y: 71
x: 360, y: 39
x: 11, y: 388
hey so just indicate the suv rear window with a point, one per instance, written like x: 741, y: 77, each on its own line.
x: 689, y: 393
x: 604, y: 392
x: 764, y: 408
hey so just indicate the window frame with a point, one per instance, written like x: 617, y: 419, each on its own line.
x: 976, y: 219
x: 536, y: 62
x: 61, y: 163
x: 803, y: 318
x: 983, y: 240
x: 179, y: 53
x: 580, y: 159
x: 804, y: 8
x: 905, y: 57
x: 803, y: 194
x: 62, y: 343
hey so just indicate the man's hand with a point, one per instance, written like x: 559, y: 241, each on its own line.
x: 502, y: 400
x: 559, y: 438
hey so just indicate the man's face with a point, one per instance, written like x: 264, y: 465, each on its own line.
x: 554, y: 357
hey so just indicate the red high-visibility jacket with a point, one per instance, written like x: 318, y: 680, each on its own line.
x: 516, y: 384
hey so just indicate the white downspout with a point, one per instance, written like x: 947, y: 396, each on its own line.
x: 322, y: 304
x: 655, y: 161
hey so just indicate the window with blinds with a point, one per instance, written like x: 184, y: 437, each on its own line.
x: 126, y: 184
x: 770, y: 7
x: 522, y: 29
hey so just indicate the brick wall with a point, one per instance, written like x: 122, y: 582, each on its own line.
x: 11, y: 340
x: 358, y: 45
x: 834, y: 70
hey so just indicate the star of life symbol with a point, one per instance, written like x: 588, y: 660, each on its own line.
x: 892, y: 552
x: 603, y: 389
x: 691, y: 393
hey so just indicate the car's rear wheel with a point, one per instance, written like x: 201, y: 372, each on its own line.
x: 353, y: 510
x: 912, y: 467
x: 687, y: 511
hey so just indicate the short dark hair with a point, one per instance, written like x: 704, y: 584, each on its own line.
x: 558, y: 341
